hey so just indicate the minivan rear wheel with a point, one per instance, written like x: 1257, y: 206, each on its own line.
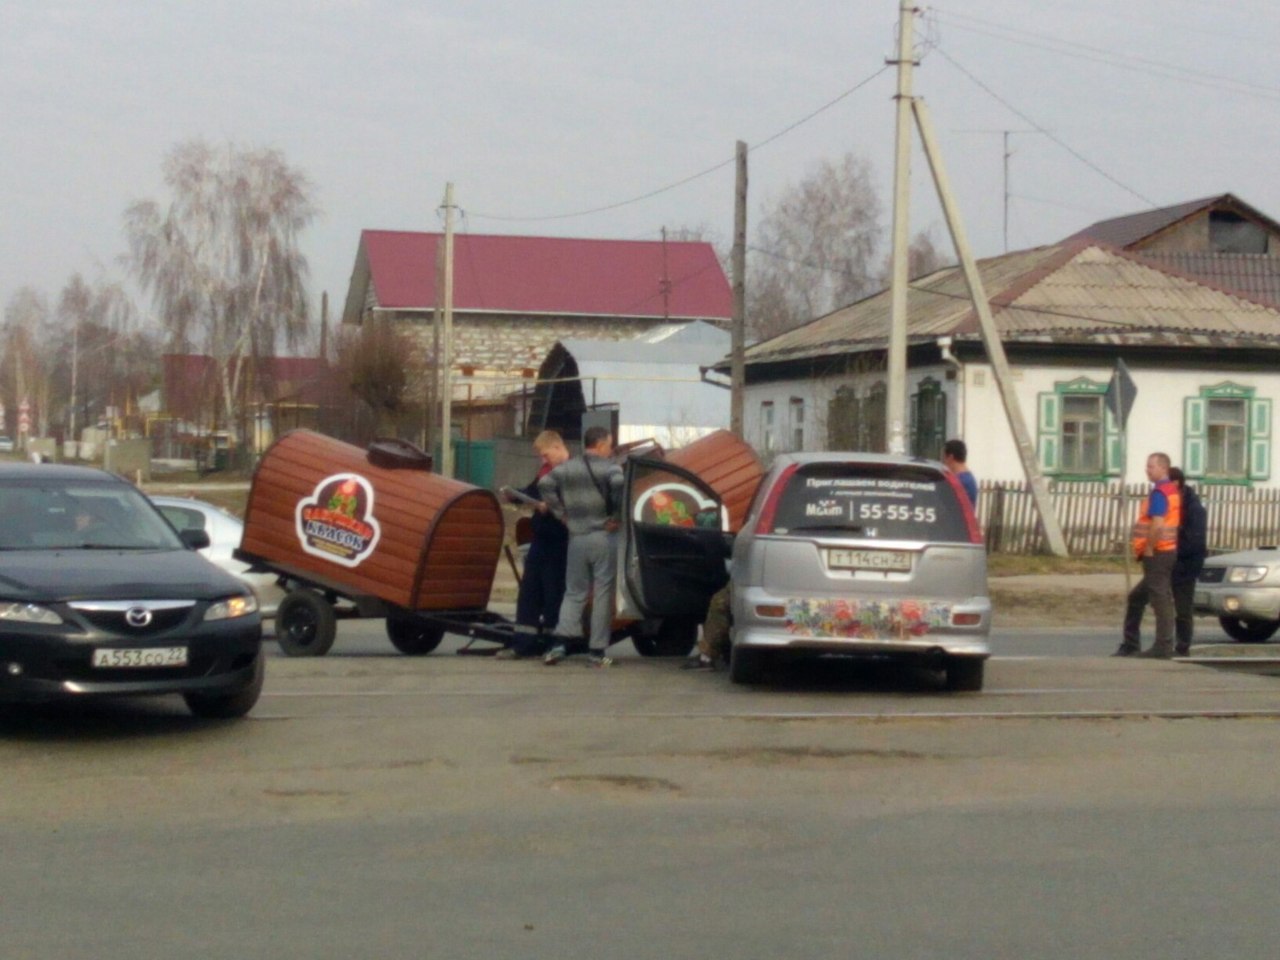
x: 965, y: 674
x: 745, y: 665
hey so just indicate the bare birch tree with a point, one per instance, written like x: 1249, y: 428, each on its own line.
x: 221, y: 259
x: 816, y: 247
x: 105, y: 358
x: 29, y: 353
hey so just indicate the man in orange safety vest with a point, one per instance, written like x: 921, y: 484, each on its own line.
x: 1155, y: 544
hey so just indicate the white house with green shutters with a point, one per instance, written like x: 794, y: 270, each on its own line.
x: 1206, y: 363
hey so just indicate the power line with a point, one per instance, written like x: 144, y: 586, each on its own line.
x: 695, y: 176
x: 1093, y: 54
x: 1056, y: 139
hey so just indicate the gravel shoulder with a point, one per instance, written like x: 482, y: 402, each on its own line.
x: 1085, y: 599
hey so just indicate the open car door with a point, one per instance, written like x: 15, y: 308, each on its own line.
x: 676, y: 543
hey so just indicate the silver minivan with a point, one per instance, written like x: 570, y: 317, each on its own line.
x: 865, y: 555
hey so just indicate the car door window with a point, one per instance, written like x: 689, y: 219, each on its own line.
x: 676, y: 544
x: 183, y: 518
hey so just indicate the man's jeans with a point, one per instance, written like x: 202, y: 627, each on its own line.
x: 1156, y: 588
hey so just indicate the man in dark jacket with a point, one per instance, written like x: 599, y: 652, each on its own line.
x: 542, y: 585
x: 1193, y: 536
x: 1192, y: 548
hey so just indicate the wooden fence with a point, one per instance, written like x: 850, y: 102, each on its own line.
x: 1096, y: 517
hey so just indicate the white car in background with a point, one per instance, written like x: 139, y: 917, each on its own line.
x: 225, y: 532
x: 6, y: 444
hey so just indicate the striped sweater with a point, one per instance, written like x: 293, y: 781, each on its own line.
x: 575, y: 497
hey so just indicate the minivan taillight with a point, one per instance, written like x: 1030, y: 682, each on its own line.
x: 770, y: 508
x: 970, y: 517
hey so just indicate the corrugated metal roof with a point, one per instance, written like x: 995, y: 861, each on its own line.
x: 1066, y: 292
x: 549, y: 275
x: 1255, y: 275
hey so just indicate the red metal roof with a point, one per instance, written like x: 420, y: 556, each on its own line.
x: 550, y: 275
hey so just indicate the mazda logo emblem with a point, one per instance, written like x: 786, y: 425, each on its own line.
x: 137, y: 617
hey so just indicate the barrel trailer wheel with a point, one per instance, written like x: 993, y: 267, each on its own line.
x: 412, y: 635
x: 305, y: 624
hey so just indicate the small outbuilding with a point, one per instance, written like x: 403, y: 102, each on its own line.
x: 655, y: 382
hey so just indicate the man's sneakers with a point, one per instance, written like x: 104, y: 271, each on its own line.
x: 594, y: 658
x: 700, y: 662
x: 1126, y: 650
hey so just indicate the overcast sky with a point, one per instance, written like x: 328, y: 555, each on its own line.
x: 538, y: 108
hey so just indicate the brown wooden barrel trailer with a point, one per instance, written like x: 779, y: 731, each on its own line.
x: 372, y: 526
x: 376, y: 527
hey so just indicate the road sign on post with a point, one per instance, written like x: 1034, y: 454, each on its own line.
x: 24, y: 417
x: 1121, y: 393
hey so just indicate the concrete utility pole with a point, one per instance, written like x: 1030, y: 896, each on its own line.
x: 738, y: 330
x: 895, y: 413
x: 446, y: 374
x: 991, y: 338
x: 896, y: 395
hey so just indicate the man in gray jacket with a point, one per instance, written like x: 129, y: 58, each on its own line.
x: 586, y: 493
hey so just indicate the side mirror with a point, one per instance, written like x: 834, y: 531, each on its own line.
x: 195, y: 539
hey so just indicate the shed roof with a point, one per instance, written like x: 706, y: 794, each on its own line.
x: 1068, y: 292
x: 1132, y: 229
x: 543, y: 275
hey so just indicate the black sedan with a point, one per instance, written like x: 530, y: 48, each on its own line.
x: 99, y: 596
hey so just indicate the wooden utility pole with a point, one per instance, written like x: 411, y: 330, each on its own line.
x: 324, y: 325
x: 896, y: 394
x: 446, y: 375
x: 738, y: 333
x: 433, y: 381
x: 664, y: 285
x: 991, y: 338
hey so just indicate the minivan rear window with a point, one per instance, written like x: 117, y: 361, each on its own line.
x: 871, y: 501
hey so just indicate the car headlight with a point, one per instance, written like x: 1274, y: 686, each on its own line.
x: 27, y: 613
x: 231, y: 608
x: 1246, y: 574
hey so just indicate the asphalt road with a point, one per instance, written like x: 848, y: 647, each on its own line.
x: 382, y: 806
x: 368, y: 638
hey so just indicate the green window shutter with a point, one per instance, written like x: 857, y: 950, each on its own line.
x: 1193, y: 436
x: 1260, y: 440
x: 1048, y: 439
x: 1114, y: 446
